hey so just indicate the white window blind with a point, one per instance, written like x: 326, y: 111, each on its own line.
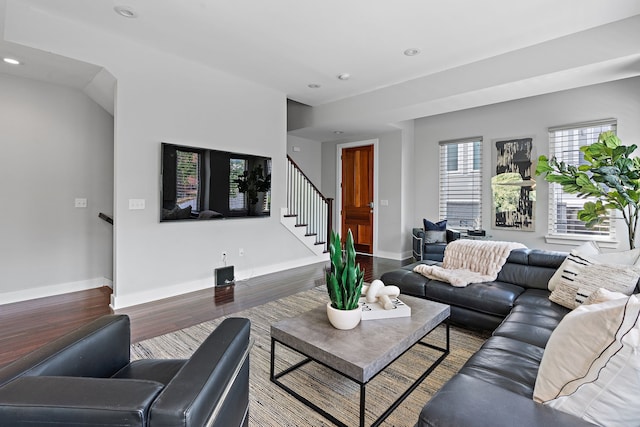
x: 460, y: 192
x: 266, y: 207
x: 237, y: 200
x: 564, y: 145
x: 188, y: 179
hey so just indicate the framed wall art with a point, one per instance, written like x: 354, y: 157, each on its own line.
x: 513, y: 189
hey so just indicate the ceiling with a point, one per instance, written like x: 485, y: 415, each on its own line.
x: 289, y: 44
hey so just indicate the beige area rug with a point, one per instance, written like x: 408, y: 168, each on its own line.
x: 272, y: 406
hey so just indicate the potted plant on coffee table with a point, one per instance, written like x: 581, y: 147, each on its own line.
x: 344, y: 284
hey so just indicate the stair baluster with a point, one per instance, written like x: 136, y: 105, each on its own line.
x: 312, y: 209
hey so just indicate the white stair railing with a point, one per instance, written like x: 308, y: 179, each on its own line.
x: 308, y: 205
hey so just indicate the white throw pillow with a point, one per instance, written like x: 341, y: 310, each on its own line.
x: 591, y: 250
x: 630, y: 257
x: 585, y: 275
x: 603, y: 295
x: 591, y: 364
x: 587, y: 248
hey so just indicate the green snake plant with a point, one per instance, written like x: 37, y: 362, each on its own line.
x: 344, y: 280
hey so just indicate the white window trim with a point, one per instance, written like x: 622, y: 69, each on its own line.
x: 465, y: 168
x: 577, y: 239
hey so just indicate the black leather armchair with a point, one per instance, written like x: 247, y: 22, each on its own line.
x: 424, y: 250
x: 86, y: 378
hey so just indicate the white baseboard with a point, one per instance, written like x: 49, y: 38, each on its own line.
x: 268, y: 269
x: 136, y: 298
x: 399, y: 256
x: 407, y: 254
x: 52, y: 290
x: 121, y: 301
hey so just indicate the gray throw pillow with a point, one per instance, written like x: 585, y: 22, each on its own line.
x: 433, y: 236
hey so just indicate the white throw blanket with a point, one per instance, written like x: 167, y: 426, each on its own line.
x: 470, y: 261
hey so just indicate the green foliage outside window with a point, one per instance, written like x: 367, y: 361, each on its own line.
x: 609, y: 178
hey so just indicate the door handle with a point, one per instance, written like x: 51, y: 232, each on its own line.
x: 371, y: 205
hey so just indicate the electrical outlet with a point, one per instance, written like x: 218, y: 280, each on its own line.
x: 241, y: 252
x: 81, y: 203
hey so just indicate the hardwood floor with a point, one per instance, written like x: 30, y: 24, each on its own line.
x: 28, y: 325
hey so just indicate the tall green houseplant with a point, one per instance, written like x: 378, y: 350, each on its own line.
x: 344, y: 280
x: 610, y: 177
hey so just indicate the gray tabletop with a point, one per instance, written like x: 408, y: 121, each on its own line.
x: 362, y: 352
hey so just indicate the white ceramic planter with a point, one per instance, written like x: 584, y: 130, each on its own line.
x: 344, y: 319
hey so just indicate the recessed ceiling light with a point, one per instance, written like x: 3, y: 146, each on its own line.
x: 11, y: 61
x: 338, y: 132
x: 344, y: 76
x: 125, y: 11
x: 412, y: 52
x: 313, y: 85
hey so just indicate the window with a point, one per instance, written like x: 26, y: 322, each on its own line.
x: 267, y: 197
x: 477, y: 156
x: 452, y: 157
x: 461, y: 183
x: 188, y: 179
x: 237, y: 200
x: 564, y: 145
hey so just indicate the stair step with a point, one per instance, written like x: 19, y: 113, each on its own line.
x: 290, y: 215
x: 320, y: 243
x: 311, y: 234
x: 301, y: 225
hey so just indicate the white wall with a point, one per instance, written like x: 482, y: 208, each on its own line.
x: 408, y: 185
x: 389, y: 230
x: 159, y: 98
x: 308, y: 156
x: 525, y: 117
x: 57, y: 145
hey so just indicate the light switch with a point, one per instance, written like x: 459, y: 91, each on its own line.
x: 81, y: 202
x: 136, y: 204
x: 296, y: 149
x: 384, y: 203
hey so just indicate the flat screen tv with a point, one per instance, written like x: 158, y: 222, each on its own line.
x: 205, y: 184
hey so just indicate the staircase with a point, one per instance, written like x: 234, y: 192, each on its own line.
x: 308, y: 214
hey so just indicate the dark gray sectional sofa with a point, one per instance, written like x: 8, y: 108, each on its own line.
x: 495, y: 386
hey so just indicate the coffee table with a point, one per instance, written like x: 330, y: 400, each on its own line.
x: 361, y: 353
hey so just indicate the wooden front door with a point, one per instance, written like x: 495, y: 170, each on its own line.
x: 357, y: 196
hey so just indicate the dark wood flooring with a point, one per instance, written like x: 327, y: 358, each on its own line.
x: 28, y: 325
